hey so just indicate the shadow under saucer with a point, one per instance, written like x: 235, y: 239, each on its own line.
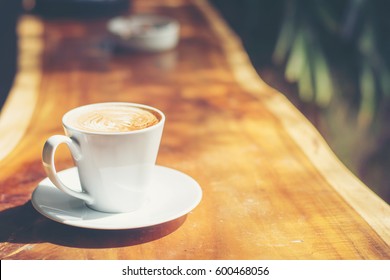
x: 23, y: 224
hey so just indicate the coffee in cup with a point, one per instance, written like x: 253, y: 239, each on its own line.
x: 111, y: 118
x: 114, y: 146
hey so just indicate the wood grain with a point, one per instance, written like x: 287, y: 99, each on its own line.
x: 16, y: 112
x: 272, y: 188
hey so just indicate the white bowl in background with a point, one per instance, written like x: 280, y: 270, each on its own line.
x: 153, y: 33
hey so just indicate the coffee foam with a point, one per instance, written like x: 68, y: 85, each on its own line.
x: 112, y: 119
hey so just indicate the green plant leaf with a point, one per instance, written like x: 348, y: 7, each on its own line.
x: 323, y: 80
x: 286, y: 36
x: 305, y: 84
x: 367, y: 92
x: 297, y: 59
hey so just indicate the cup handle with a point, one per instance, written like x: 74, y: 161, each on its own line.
x: 49, y: 150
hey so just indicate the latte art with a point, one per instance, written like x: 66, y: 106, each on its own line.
x: 114, y: 119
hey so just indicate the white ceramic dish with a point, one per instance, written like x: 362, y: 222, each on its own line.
x: 173, y: 194
x: 152, y: 33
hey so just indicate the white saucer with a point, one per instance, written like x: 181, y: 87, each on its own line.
x: 173, y: 194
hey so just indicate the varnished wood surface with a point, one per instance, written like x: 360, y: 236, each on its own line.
x: 272, y: 189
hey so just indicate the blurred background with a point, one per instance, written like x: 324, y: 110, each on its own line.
x: 332, y: 60
x: 329, y: 57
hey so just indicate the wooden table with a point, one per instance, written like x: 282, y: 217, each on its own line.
x: 272, y: 188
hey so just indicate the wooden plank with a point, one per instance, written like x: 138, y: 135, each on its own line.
x: 272, y: 189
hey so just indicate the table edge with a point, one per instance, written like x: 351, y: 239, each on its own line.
x: 17, y: 111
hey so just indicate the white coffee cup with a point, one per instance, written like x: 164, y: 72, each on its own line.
x: 115, y: 167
